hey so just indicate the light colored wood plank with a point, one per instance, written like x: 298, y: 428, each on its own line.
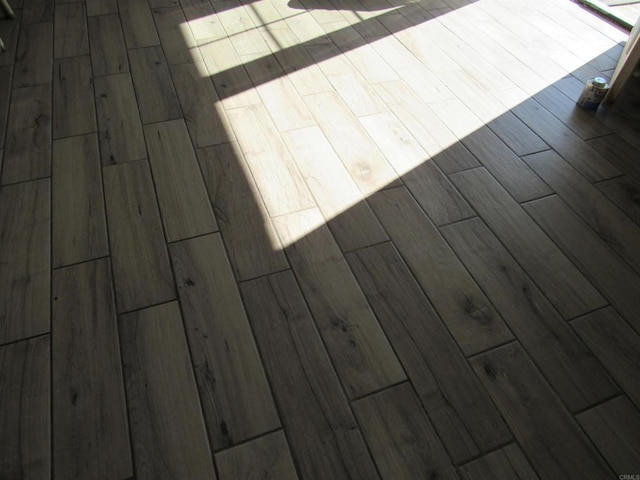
x: 234, y: 392
x: 202, y: 21
x: 625, y: 193
x: 25, y: 417
x: 90, y: 431
x: 343, y: 206
x: 34, y: 63
x: 37, y: 11
x: 547, y: 433
x: 141, y: 270
x: 567, y: 289
x: 108, y: 51
x: 71, y: 35
x: 462, y: 413
x: 324, y: 436
x: 167, y: 429
x: 74, y: 111
x: 508, y: 462
x: 137, y: 24
x: 101, y: 7
x: 267, y: 456
x: 473, y: 322
x: 401, y: 438
x: 178, y: 43
x: 79, y: 228
x: 361, y: 353
x: 570, y: 368
x: 157, y: 99
x: 119, y: 126
x: 25, y: 259
x: 6, y: 77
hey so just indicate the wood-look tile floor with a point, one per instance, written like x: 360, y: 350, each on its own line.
x: 316, y: 239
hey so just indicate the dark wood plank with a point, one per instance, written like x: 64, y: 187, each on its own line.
x: 139, y: 256
x: 362, y: 355
x: 515, y: 133
x: 79, y: 229
x: 177, y: 42
x: 9, y: 34
x: 233, y: 388
x: 167, y: 429
x: 71, y: 35
x: 265, y: 457
x: 613, y: 427
x: 252, y: 243
x: 462, y: 413
x: 37, y: 11
x: 6, y: 76
x: 473, y: 322
x: 547, y: 433
x: 137, y: 24
x: 508, y: 462
x: 27, y: 152
x: 25, y: 416
x: 90, y: 430
x: 101, y: 7
x: 401, y: 438
x: 614, y: 278
x: 567, y: 289
x: 108, y: 51
x: 623, y: 155
x: 617, y: 346
x: 625, y: 193
x: 74, y: 111
x: 324, y: 437
x: 157, y: 99
x: 184, y: 205
x: 34, y: 63
x: 121, y: 137
x: 25, y: 259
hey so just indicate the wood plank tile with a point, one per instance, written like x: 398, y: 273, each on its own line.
x: 343, y: 206
x: 157, y: 99
x: 184, y: 205
x: 34, y: 63
x: 619, y: 152
x: 613, y: 427
x: 79, y: 229
x: 570, y: 368
x: 234, y: 392
x: 547, y: 433
x: 74, y: 111
x: 361, y: 353
x: 25, y: 418
x: 90, y: 431
x: 71, y: 35
x: 167, y: 429
x: 119, y: 126
x: 252, y: 244
x: 25, y: 259
x: 141, y: 270
x: 6, y: 77
x: 9, y: 33
x: 37, y: 11
x: 108, y: 51
x: 508, y: 462
x: 137, y: 24
x: 101, y: 7
x: 518, y: 137
x: 563, y: 284
x: 616, y: 344
x: 324, y: 436
x: 178, y: 43
x: 609, y: 223
x: 468, y: 314
x: 459, y: 407
x: 268, y: 456
x: 401, y: 438
x: 625, y: 193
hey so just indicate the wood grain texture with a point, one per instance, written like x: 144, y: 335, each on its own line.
x: 27, y: 152
x: 508, y: 462
x: 108, y: 51
x: 34, y: 62
x: 141, y: 270
x: 361, y: 353
x: 323, y: 434
x: 25, y: 417
x: 101, y: 7
x: 549, y: 436
x: 79, y: 228
x: 90, y: 431
x: 234, y: 392
x: 619, y: 152
x: 70, y: 34
x: 457, y: 405
x: 25, y: 259
x: 167, y: 428
x: 74, y: 111
x: 9, y: 33
x: 137, y: 24
x: 37, y: 11
x: 567, y: 289
x: 469, y: 316
x: 625, y: 193
x: 184, y: 205
x: 401, y: 437
x: 178, y: 43
x: 515, y: 133
x: 6, y: 75
x: 266, y: 457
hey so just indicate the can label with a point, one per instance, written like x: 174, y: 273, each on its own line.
x: 593, y: 93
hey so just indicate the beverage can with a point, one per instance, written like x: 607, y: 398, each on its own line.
x: 593, y: 93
